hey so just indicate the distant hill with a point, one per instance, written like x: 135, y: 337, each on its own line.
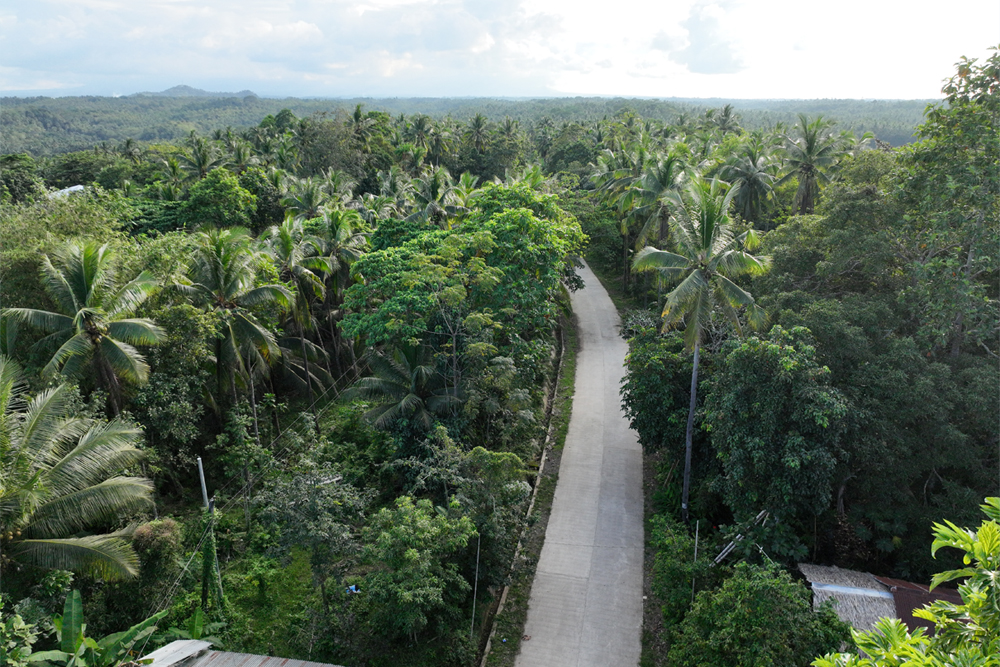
x: 188, y: 91
x: 51, y: 125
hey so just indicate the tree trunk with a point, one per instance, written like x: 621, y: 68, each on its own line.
x: 690, y: 433
x: 305, y: 360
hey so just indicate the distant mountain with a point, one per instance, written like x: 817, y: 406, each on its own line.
x: 188, y: 91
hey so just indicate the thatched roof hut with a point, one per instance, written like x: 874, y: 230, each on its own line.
x: 858, y: 598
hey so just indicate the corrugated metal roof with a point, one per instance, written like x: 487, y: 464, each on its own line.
x: 192, y: 653
x: 226, y: 659
x: 910, y: 596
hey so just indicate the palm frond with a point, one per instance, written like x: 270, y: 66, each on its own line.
x: 99, y: 504
x: 104, y: 556
x: 265, y: 294
x: 124, y: 360
x: 132, y: 295
x: 77, y: 346
x: 41, y: 319
x: 650, y: 258
x: 137, y: 331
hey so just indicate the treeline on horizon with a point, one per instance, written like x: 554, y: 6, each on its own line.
x: 51, y: 125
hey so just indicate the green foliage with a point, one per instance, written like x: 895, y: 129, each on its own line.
x: 776, y: 425
x: 964, y: 634
x: 759, y: 617
x: 656, y: 389
x: 414, y: 584
x: 16, y: 638
x: 218, y: 200
x: 19, y: 183
x: 267, y: 209
x: 30, y: 230
x: 951, y: 227
x: 60, y: 477
x: 78, y: 650
x: 316, y: 511
x: 675, y: 572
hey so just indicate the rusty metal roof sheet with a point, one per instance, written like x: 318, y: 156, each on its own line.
x: 226, y: 659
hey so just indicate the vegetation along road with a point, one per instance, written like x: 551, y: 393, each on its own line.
x: 586, y: 602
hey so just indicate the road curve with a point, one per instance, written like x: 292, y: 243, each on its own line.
x: 585, y: 607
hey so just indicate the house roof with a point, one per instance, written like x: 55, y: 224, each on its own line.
x: 858, y: 598
x: 861, y: 599
x: 909, y: 596
x: 195, y: 653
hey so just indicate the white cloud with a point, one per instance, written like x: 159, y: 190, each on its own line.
x: 686, y: 48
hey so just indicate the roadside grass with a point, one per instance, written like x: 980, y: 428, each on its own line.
x: 612, y: 281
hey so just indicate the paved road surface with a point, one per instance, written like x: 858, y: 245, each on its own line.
x: 586, y: 601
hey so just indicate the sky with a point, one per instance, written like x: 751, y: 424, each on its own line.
x: 736, y: 49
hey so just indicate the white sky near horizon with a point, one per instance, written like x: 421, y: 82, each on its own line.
x: 737, y: 49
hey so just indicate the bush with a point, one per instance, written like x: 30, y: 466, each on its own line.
x: 760, y: 617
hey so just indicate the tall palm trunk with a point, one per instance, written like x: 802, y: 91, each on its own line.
x: 305, y: 359
x: 690, y: 433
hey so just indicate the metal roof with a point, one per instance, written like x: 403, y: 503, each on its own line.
x: 194, y: 653
x: 226, y: 659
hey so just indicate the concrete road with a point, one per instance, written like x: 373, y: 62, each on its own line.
x: 586, y: 601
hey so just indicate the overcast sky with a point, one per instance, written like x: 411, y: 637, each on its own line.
x: 890, y: 49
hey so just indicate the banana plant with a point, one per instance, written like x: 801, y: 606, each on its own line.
x: 78, y: 650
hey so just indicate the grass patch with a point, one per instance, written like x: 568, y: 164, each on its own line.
x: 509, y: 623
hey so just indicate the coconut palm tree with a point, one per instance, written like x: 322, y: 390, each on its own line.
x: 221, y: 278
x: 753, y: 171
x: 478, y: 132
x: 342, y: 243
x: 93, y: 324
x: 434, y: 197
x: 298, y: 258
x: 811, y: 154
x: 650, y: 198
x: 306, y: 198
x: 396, y: 185
x: 405, y: 385
x: 707, y: 255
x: 420, y: 131
x: 60, y: 477
x: 201, y: 157
x: 465, y: 189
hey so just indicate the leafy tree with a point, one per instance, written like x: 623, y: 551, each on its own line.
x: 964, y: 634
x: 18, y: 181
x: 218, y: 199
x: 92, y: 325
x: 761, y: 617
x: 60, y: 476
x: 709, y: 254
x: 268, y: 210
x: 314, y: 509
x: 949, y: 234
x: 415, y: 583
x: 776, y: 425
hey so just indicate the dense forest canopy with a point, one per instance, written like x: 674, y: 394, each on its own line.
x: 50, y: 125
x: 352, y: 320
